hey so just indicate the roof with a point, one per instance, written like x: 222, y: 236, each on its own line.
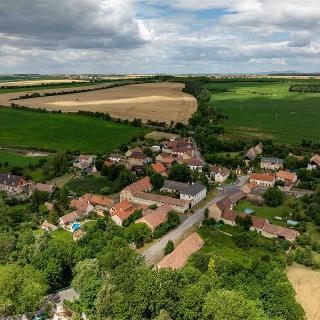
x: 315, y: 159
x: 179, y: 256
x: 251, y: 154
x: 79, y: 204
x: 219, y: 170
x: 72, y: 216
x: 46, y: 224
x: 224, y: 204
x: 124, y: 205
x: 281, y: 231
x: 83, y: 157
x: 237, y: 196
x: 156, y: 217
x: 250, y: 185
x: 262, y: 176
x: 196, y: 162
x: 163, y: 199
x: 257, y: 222
x: 194, y: 189
x: 43, y: 187
x: 272, y: 160
x: 167, y: 158
x: 10, y: 180
x: 98, y: 199
x: 138, y: 155
x: 175, y: 185
x: 158, y: 167
x: 143, y: 184
x: 286, y: 175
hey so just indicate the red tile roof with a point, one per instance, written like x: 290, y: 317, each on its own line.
x: 158, y: 167
x: 316, y: 159
x: 154, y: 218
x: 196, y: 162
x: 141, y: 185
x: 257, y: 222
x: 180, y: 255
x: 81, y: 205
x: 262, y: 176
x: 95, y: 199
x: 286, y: 175
x: 124, y: 205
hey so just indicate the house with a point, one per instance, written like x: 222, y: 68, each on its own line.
x: 180, y: 255
x: 287, y: 177
x: 219, y: 174
x: 194, y: 193
x: 173, y: 186
x: 184, y: 152
x: 314, y: 162
x: 137, y: 159
x: 154, y: 218
x: 148, y: 199
x: 142, y: 185
x: 13, y: 184
x: 133, y: 150
x: 165, y: 159
x: 158, y: 167
x: 264, y: 180
x: 274, y: 231
x: 155, y: 148
x: 83, y: 162
x: 43, y: 187
x: 236, y: 197
x: 194, y: 164
x: 45, y: 225
x: 249, y: 187
x: 121, y: 211
x: 83, y: 207
x: 222, y: 210
x: 115, y: 157
x: 67, y: 219
x: 271, y: 163
x: 253, y: 152
x: 98, y: 201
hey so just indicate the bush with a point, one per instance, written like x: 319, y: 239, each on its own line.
x: 169, y: 247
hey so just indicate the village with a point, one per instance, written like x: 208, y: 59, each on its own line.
x: 154, y: 199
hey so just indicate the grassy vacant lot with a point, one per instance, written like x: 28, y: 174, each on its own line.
x: 29, y: 165
x: 87, y: 184
x: 62, y: 132
x: 268, y: 110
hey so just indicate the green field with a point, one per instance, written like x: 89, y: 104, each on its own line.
x: 29, y: 165
x: 268, y: 110
x: 62, y: 132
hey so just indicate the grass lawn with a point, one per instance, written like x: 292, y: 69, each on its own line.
x: 61, y: 234
x: 87, y: 184
x: 268, y: 110
x: 9, y: 160
x: 267, y: 212
x: 62, y: 132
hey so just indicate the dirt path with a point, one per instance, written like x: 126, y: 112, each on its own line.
x: 307, y: 286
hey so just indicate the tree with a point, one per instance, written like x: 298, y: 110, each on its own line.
x: 230, y: 305
x: 138, y: 233
x: 169, y: 247
x: 163, y: 315
x: 180, y: 172
x: 157, y: 180
x: 244, y: 222
x: 274, y: 197
x: 22, y: 289
x: 7, y: 245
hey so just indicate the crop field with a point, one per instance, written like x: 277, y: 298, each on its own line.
x: 307, y: 286
x: 62, y: 132
x: 38, y: 82
x: 154, y: 101
x: 268, y: 110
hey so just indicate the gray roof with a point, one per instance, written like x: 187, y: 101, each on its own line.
x: 273, y: 160
x: 174, y: 185
x: 194, y: 189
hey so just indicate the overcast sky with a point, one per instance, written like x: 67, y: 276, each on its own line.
x: 159, y: 36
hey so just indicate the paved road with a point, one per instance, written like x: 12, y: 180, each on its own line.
x: 155, y: 252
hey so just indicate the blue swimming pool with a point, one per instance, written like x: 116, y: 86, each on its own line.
x: 75, y: 226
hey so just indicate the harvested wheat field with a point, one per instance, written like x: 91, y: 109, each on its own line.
x: 307, y: 286
x: 25, y: 83
x: 154, y: 101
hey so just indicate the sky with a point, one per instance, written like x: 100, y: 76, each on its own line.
x: 159, y: 36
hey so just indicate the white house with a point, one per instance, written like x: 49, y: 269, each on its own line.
x: 194, y: 193
x: 264, y: 180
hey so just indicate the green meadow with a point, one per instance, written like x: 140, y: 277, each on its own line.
x: 62, y: 132
x: 268, y: 110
